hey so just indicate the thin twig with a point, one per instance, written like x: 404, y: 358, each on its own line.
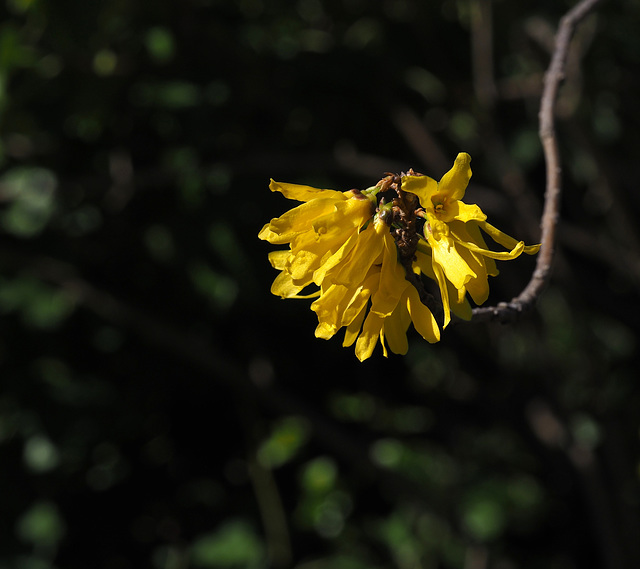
x: 553, y: 78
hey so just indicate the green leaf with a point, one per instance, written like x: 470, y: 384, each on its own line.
x: 30, y: 192
x: 160, y: 44
x: 234, y: 544
x: 41, y: 525
x: 285, y: 440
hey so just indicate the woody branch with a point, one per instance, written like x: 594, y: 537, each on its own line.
x: 554, y: 76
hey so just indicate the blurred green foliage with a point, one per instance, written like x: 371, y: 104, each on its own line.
x: 159, y: 408
x: 233, y: 545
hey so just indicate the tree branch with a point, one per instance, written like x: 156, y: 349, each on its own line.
x: 507, y: 311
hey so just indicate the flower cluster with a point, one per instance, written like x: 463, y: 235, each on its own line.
x: 365, y: 255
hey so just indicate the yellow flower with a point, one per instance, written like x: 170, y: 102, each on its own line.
x: 459, y: 304
x: 366, y: 256
x: 372, y: 284
x: 454, y: 247
x: 320, y: 232
x: 407, y: 308
x: 338, y: 242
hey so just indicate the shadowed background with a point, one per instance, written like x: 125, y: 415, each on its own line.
x: 159, y: 408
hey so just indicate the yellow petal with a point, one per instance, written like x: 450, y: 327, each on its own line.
x: 353, y: 330
x: 319, y: 250
x: 310, y: 252
x: 302, y: 265
x: 462, y: 309
x: 473, y: 238
x: 424, y: 262
x: 267, y: 235
x: 422, y: 186
x: 299, y: 219
x: 393, y: 280
x: 304, y: 193
x: 499, y: 255
x: 347, y: 214
x: 454, y: 183
x: 278, y: 259
x: 369, y: 336
x: 505, y: 240
x: 458, y: 210
x: 283, y: 286
x: 423, y: 320
x: 455, y: 298
x: 443, y: 285
x: 478, y: 289
x: 478, y: 286
x: 395, y: 329
x: 325, y: 331
x: 365, y: 253
x: 470, y: 232
x: 335, y: 259
x: 339, y: 305
x: 445, y: 254
x: 361, y: 297
x: 382, y: 343
x: 328, y: 307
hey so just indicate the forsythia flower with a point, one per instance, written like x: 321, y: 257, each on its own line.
x: 459, y: 256
x: 366, y: 256
x: 319, y: 231
x: 372, y: 273
x: 339, y: 242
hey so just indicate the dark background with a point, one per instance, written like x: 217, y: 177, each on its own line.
x: 159, y: 408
